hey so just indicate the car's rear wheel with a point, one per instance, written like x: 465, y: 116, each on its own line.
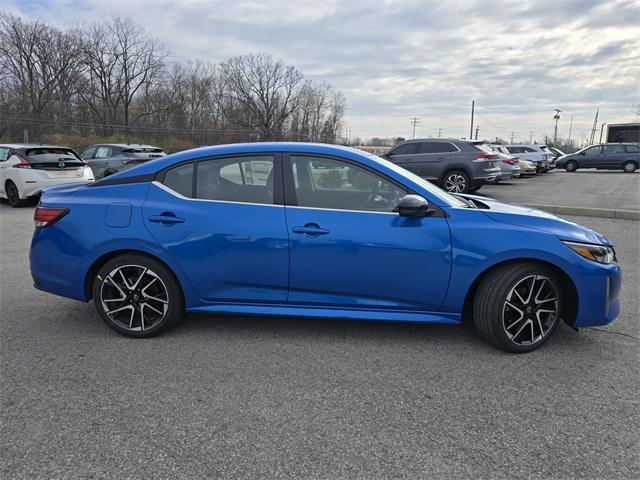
x: 456, y: 181
x: 571, y: 166
x: 13, y: 195
x: 518, y: 306
x: 630, y: 166
x: 137, y: 296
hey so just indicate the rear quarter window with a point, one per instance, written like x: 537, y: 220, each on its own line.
x: 633, y: 148
x: 180, y: 180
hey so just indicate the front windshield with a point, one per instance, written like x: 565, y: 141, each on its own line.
x: 430, y: 187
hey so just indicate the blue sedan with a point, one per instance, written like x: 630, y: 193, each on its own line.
x: 314, y: 230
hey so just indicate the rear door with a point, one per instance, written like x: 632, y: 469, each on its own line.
x: 222, y: 220
x: 349, y: 249
x: 613, y: 156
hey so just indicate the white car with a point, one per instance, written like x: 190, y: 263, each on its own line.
x: 26, y: 169
x: 538, y: 154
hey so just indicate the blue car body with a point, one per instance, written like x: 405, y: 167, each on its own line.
x: 251, y: 258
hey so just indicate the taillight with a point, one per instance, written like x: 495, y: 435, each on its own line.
x: 481, y: 157
x: 44, y: 217
x: 509, y: 161
x: 22, y: 164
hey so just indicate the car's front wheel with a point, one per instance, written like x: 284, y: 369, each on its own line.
x: 571, y: 166
x: 137, y: 295
x: 456, y: 181
x: 518, y: 306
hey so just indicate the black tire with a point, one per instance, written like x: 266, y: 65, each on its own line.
x: 495, y: 306
x: 456, y: 181
x: 13, y: 195
x: 152, y: 300
x: 629, y: 166
x: 571, y: 166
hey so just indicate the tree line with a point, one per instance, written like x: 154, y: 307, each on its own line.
x: 114, y: 78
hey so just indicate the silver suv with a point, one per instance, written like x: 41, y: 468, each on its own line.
x: 457, y: 166
x: 108, y: 158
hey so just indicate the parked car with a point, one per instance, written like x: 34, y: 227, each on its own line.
x: 108, y: 158
x: 527, y: 167
x: 362, y: 239
x: 454, y: 165
x: 509, y: 165
x: 26, y: 169
x: 533, y: 153
x: 607, y: 156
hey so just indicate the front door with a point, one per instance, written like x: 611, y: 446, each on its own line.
x: 349, y: 248
x: 591, y: 157
x: 222, y: 220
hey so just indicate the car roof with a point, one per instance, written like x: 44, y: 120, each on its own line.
x: 24, y: 146
x: 437, y: 139
x: 124, y: 145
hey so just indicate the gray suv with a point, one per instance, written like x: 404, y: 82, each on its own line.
x: 108, y: 158
x: 457, y: 166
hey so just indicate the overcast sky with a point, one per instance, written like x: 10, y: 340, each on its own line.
x: 395, y: 59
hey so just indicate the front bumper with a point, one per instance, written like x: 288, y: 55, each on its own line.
x: 598, y: 289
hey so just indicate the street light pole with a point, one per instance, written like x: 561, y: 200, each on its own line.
x: 555, y: 131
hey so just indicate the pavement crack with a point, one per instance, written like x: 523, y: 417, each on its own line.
x: 613, y: 332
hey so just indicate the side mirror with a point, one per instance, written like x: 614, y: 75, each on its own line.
x: 414, y: 206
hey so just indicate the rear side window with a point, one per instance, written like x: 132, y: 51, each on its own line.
x: 405, y: 149
x: 88, y: 153
x: 514, y: 149
x: 436, y: 147
x: 241, y: 179
x: 633, y: 148
x: 180, y: 179
x: 613, y: 149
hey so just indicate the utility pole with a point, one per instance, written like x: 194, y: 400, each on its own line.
x: 414, y: 121
x: 512, y: 134
x: 602, y: 131
x: 439, y: 132
x: 531, y: 137
x: 570, y: 127
x: 556, y: 117
x: 473, y: 108
x: 595, y: 125
x: 477, y: 130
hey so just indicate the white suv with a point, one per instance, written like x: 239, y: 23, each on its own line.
x: 26, y: 169
x: 538, y: 154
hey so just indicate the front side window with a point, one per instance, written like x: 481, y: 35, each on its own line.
x: 238, y: 179
x: 180, y: 179
x: 334, y: 184
x: 405, y: 149
x: 590, y: 152
x: 103, y: 152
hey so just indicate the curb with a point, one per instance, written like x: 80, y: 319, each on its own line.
x: 589, y: 212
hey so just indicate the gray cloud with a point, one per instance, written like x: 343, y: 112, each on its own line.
x: 394, y: 59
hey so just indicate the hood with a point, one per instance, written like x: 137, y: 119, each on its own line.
x: 540, y: 220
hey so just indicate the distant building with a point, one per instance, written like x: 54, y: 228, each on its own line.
x: 623, y: 132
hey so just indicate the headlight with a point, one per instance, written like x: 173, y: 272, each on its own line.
x: 596, y: 253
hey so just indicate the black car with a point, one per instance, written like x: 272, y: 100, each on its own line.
x: 607, y: 156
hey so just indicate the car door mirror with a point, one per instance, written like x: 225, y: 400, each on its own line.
x: 414, y: 206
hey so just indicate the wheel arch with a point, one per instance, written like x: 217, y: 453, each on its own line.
x: 570, y: 307
x: 102, y: 260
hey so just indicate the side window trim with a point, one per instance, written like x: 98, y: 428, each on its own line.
x: 290, y: 197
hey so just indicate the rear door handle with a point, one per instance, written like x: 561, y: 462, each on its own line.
x: 310, y: 229
x: 166, y: 218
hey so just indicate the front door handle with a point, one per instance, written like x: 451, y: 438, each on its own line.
x: 310, y: 229
x: 166, y: 218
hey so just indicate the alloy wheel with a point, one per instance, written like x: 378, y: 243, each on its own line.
x: 134, y: 297
x: 629, y: 167
x: 455, y: 183
x: 530, y: 310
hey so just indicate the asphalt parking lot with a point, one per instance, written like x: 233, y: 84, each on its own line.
x: 584, y: 188
x: 245, y: 397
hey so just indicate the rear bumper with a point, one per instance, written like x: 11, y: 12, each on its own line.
x: 28, y: 187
